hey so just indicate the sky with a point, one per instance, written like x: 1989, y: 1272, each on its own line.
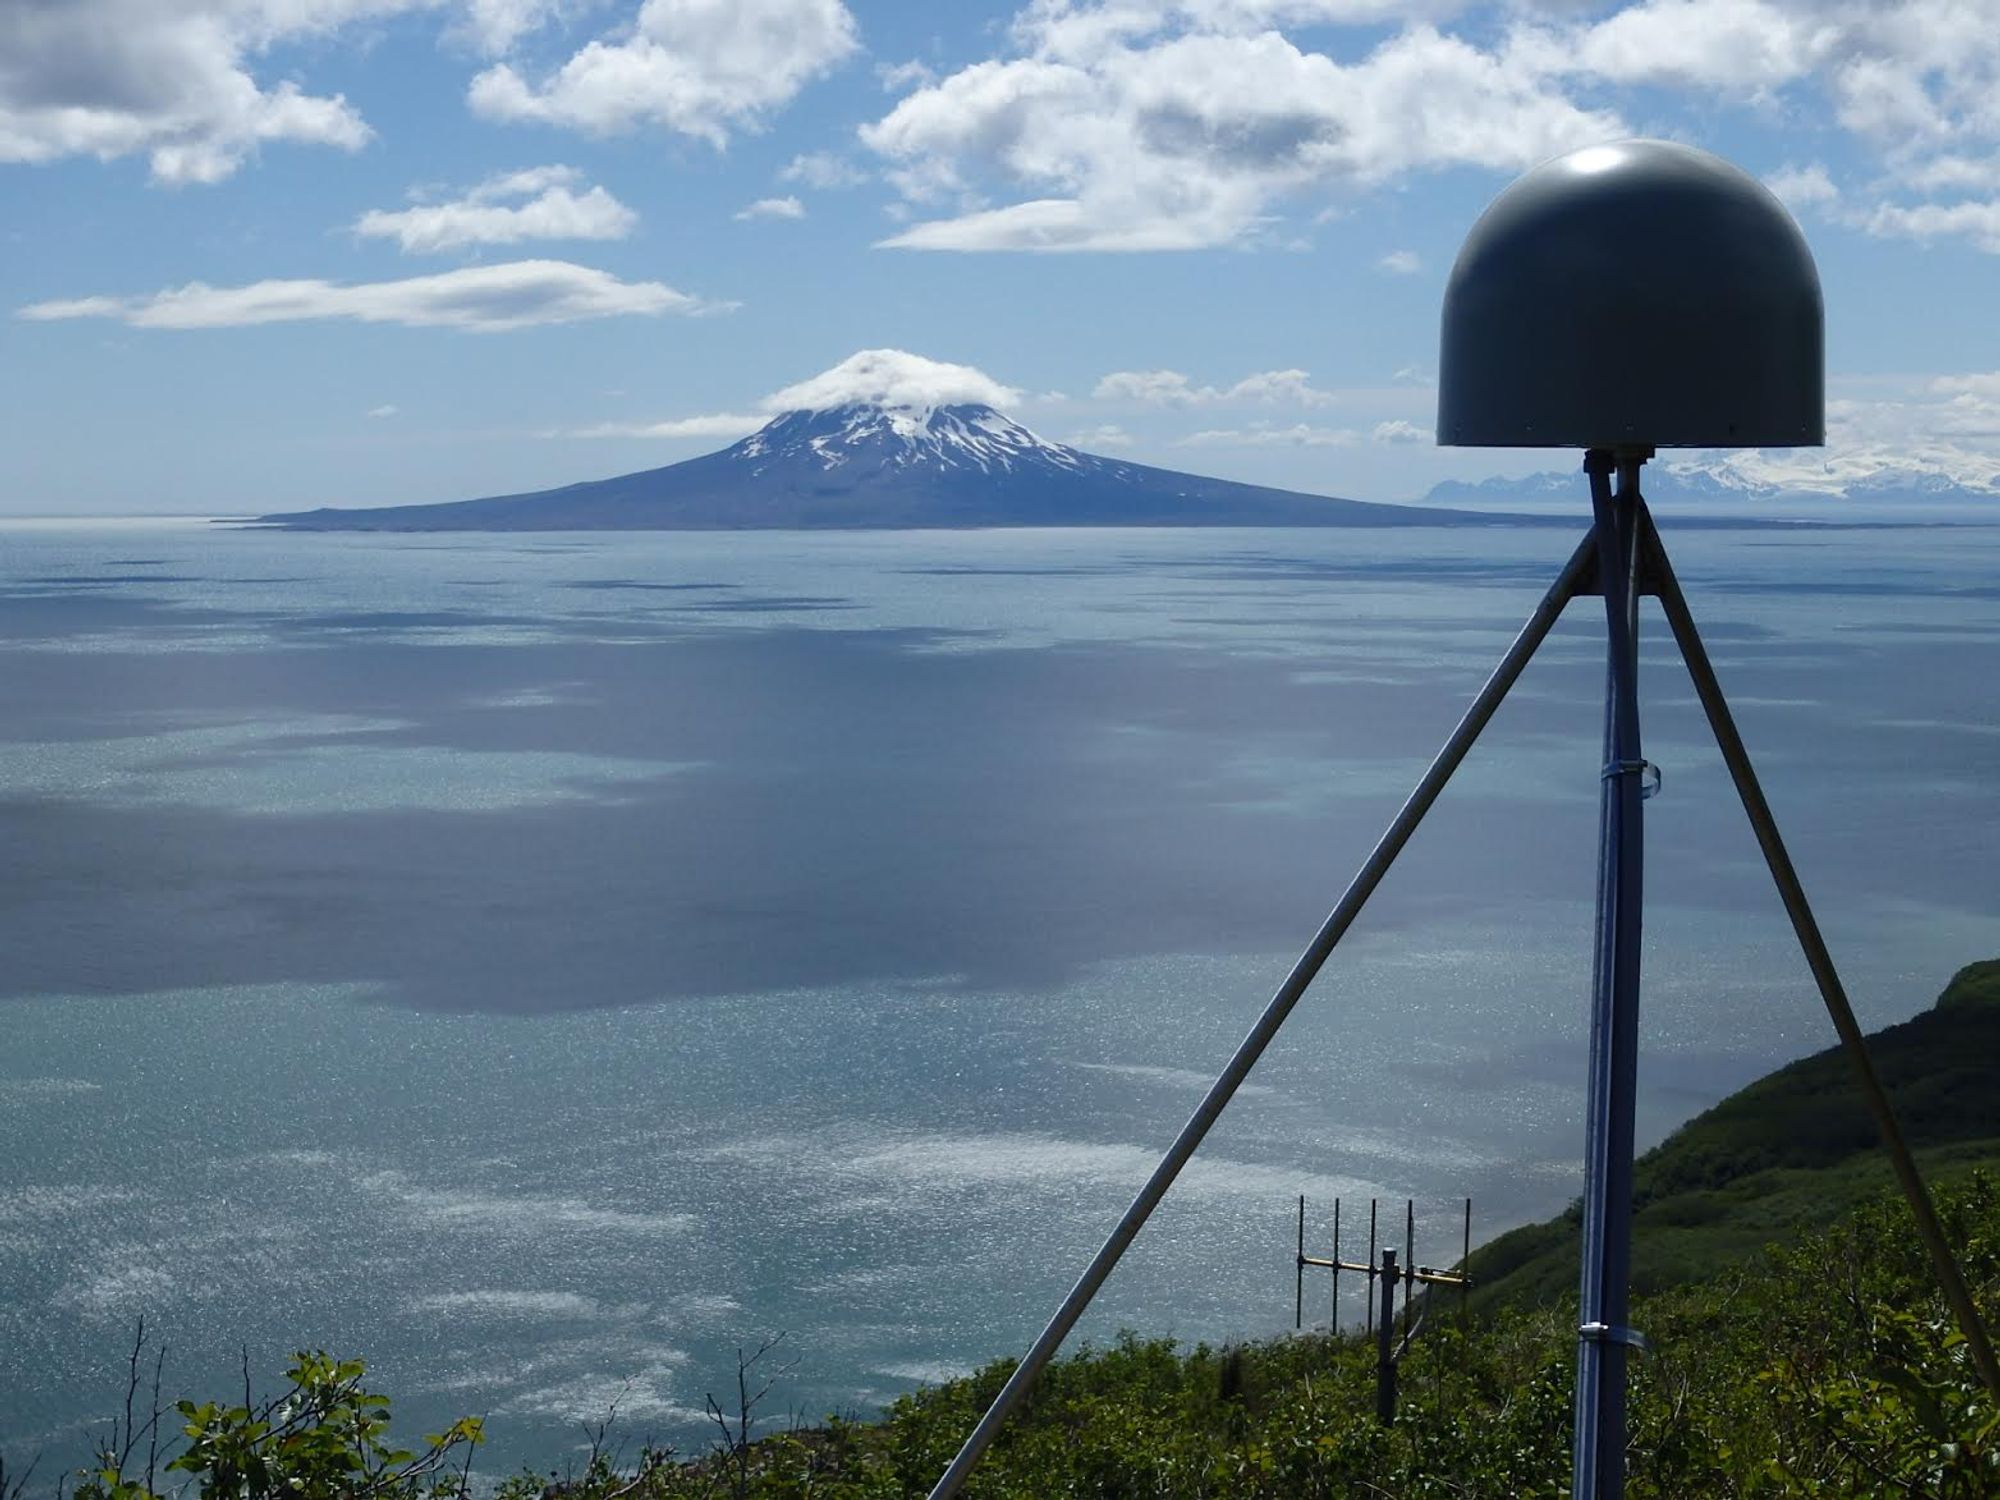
x: 264, y: 254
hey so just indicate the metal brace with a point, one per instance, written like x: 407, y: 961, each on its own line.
x: 1648, y: 787
x: 1611, y: 1333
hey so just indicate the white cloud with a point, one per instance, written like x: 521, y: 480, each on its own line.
x: 883, y: 377
x: 111, y: 78
x: 1952, y: 173
x: 1400, y: 263
x: 1172, y: 388
x: 548, y: 208
x: 1971, y: 410
x: 698, y: 67
x: 1278, y: 387
x: 1074, y: 29
x: 715, y: 425
x: 823, y: 170
x: 1189, y: 140
x: 1885, y: 98
x: 1396, y: 430
x: 896, y: 77
x: 494, y: 26
x: 1972, y: 219
x: 1985, y: 384
x: 1265, y: 435
x: 1127, y: 125
x: 1916, y: 81
x: 1803, y: 187
x: 518, y: 294
x: 1153, y: 387
x: 1110, y: 435
x: 773, y: 208
x: 1743, y: 47
x: 384, y: 410
x: 891, y: 377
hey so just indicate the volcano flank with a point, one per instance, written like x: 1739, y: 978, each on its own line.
x: 882, y: 465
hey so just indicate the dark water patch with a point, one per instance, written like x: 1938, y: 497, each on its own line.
x: 343, y: 621
x: 1433, y: 570
x: 771, y: 604
x: 1835, y: 588
x: 993, y: 815
x: 1008, y: 815
x: 678, y: 892
x: 1304, y: 618
x: 632, y: 583
x: 1921, y: 628
x: 1735, y: 630
x: 65, y: 580
x: 37, y: 617
x: 972, y: 570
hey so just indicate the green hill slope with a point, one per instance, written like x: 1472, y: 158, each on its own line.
x: 1793, y: 1150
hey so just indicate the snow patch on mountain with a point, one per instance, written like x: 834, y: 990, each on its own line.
x: 1856, y: 472
x: 959, y: 436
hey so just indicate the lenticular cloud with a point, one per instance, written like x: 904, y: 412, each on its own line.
x: 893, y: 378
x: 514, y: 294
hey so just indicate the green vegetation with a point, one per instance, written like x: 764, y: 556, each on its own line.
x: 1795, y: 1150
x: 1825, y: 1365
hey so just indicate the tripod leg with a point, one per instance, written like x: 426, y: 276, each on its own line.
x: 1252, y: 1047
x: 1818, y: 959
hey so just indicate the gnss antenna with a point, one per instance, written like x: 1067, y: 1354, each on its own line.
x: 1620, y: 299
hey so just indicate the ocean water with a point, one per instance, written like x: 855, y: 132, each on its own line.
x: 542, y: 965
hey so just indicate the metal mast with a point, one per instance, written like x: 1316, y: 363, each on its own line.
x: 1603, y: 1338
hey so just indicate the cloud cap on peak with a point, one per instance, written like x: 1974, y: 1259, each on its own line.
x: 895, y: 379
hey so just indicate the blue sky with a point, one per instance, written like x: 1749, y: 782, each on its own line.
x: 264, y: 253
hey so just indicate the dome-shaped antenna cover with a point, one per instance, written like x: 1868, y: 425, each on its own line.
x: 1641, y: 294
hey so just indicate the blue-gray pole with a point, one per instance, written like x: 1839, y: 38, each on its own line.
x: 1602, y: 1337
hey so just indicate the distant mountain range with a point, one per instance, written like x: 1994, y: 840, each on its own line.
x: 1731, y: 478
x: 866, y: 465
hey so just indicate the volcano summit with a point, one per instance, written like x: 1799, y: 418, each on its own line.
x: 894, y: 462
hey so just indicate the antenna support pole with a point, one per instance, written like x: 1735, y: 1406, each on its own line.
x: 1385, y: 1343
x: 1598, y: 1471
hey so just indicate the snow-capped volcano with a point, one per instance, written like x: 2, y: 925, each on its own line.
x: 889, y: 464
x: 902, y: 437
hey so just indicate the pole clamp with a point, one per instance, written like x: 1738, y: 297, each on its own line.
x: 1611, y: 1333
x: 1649, y: 786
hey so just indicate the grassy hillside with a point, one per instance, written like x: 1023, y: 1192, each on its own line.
x: 1793, y: 1150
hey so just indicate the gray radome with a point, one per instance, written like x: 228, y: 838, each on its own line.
x: 1639, y: 294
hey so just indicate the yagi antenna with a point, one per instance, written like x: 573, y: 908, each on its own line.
x: 1620, y: 299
